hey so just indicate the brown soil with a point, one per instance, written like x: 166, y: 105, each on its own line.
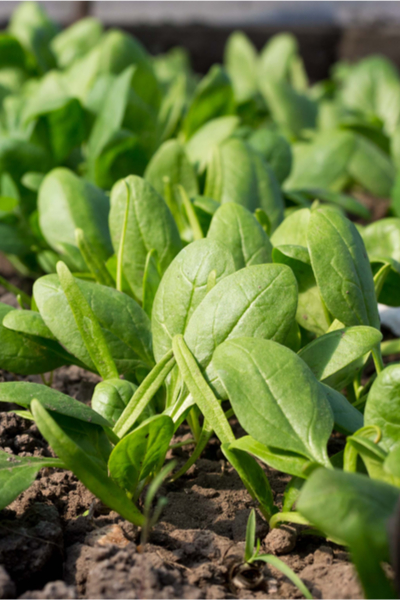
x: 49, y: 549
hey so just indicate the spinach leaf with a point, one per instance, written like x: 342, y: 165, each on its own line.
x: 336, y: 357
x: 237, y: 173
x: 17, y: 473
x: 257, y: 301
x: 344, y: 274
x: 139, y: 222
x: 125, y: 326
x: 111, y: 397
x: 141, y: 453
x: 266, y: 405
x: 183, y: 288
x: 382, y: 407
x: 235, y: 227
x: 66, y: 203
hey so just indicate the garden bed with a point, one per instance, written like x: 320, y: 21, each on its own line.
x: 51, y: 550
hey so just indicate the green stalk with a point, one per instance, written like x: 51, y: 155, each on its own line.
x: 16, y: 291
x: 145, y: 392
x: 201, y: 391
x: 96, y: 266
x: 287, y: 517
x: 122, y: 241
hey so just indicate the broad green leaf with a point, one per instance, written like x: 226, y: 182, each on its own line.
x: 95, y: 264
x: 75, y: 41
x: 343, y: 274
x: 240, y: 58
x: 67, y: 202
x: 12, y: 53
x: 34, y: 30
x: 277, y: 56
x: 292, y: 111
x: 201, y: 145
x: 84, y: 467
x: 347, y: 505
x: 275, y: 149
x: 25, y: 354
x: 257, y: 301
x: 140, y: 217
x: 355, y: 510
x: 235, y: 227
x: 171, y: 161
x: 111, y: 397
x: 321, y: 163
x: 347, y: 418
x: 386, y: 273
x: 17, y: 473
x: 125, y: 325
x: 23, y: 392
x: 311, y: 311
x: 336, y: 357
x: 213, y: 98
x: 344, y: 201
x: 279, y: 459
x: 392, y: 461
x: 293, y: 230
x: 382, y: 407
x: 183, y: 288
x: 141, y: 453
x: 289, y: 412
x: 372, y: 168
x: 237, y: 173
x: 382, y: 238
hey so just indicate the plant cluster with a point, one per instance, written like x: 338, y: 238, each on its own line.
x: 190, y: 245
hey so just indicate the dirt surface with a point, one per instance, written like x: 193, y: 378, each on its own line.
x: 50, y: 549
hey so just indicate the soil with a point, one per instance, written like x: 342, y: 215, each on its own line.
x: 50, y: 547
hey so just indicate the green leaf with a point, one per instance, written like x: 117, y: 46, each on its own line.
x: 382, y: 238
x: 275, y: 149
x: 200, y: 147
x: 237, y: 173
x: 392, y: 462
x: 171, y: 161
x: 321, y: 163
x: 17, y: 473
x: 27, y: 321
x: 292, y: 111
x: 344, y: 274
x: 281, y: 460
x: 84, y: 467
x: 277, y: 56
x: 202, y: 394
x: 348, y: 203
x: 75, y: 41
x: 125, y: 326
x: 257, y: 301
x: 141, y: 453
x: 25, y: 354
x: 149, y: 225
x: 293, y: 230
x: 213, y: 98
x: 311, y: 311
x: 183, y: 288
x: 95, y: 264
x: 66, y: 202
x: 347, y: 418
x: 111, y: 397
x: 23, y: 392
x: 372, y: 168
x: 289, y: 412
x: 235, y: 227
x: 88, y: 325
x: 255, y: 480
x: 355, y: 510
x: 383, y: 404
x: 240, y: 58
x: 336, y: 357
x: 34, y: 30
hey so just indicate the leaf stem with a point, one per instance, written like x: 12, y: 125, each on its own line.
x: 122, y: 241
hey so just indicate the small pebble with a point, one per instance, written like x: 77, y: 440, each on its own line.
x: 282, y: 540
